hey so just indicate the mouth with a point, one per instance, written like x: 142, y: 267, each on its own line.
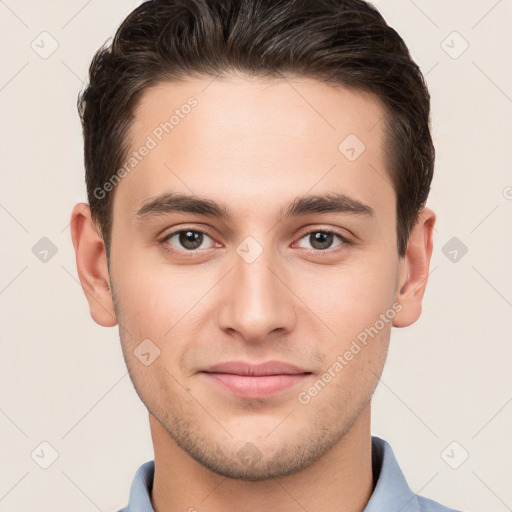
x: 255, y: 381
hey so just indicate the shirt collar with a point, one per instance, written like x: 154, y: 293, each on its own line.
x: 391, y: 490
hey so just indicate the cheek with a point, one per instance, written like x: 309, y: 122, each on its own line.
x: 160, y: 303
x: 143, y: 283
x: 144, y: 301
x: 351, y: 298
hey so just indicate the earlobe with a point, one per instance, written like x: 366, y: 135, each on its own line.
x: 91, y: 263
x: 415, y: 269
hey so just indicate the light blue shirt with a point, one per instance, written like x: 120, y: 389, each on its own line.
x: 391, y: 493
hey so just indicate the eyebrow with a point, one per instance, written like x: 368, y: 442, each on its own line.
x: 330, y: 202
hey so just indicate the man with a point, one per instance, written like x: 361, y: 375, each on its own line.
x: 257, y: 173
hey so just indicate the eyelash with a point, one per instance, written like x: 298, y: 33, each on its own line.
x: 205, y: 231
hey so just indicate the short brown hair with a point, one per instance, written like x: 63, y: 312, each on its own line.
x: 345, y: 42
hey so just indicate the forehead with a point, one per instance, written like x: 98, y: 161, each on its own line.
x: 245, y: 141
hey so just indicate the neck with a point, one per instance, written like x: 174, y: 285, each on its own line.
x: 341, y: 480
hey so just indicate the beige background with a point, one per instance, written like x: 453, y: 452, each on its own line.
x: 62, y: 377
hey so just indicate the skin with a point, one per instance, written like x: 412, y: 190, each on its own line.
x: 255, y: 145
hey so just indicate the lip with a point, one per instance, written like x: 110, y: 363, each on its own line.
x: 255, y: 381
x: 256, y: 370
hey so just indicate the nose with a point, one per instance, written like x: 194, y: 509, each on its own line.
x: 256, y: 302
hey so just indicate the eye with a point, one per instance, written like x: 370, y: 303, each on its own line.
x: 190, y: 240
x: 322, y: 239
x: 185, y: 240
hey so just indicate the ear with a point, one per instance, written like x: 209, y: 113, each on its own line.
x: 414, y: 269
x: 91, y: 263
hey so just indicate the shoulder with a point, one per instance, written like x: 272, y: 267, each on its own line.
x: 392, y: 491
x: 428, y: 505
x: 140, y: 490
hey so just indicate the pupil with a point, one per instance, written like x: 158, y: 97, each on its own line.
x: 191, y: 239
x: 321, y: 240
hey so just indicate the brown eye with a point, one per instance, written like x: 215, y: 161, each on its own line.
x: 190, y: 239
x: 185, y: 240
x: 321, y: 240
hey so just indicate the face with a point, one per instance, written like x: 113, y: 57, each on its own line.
x: 248, y: 278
